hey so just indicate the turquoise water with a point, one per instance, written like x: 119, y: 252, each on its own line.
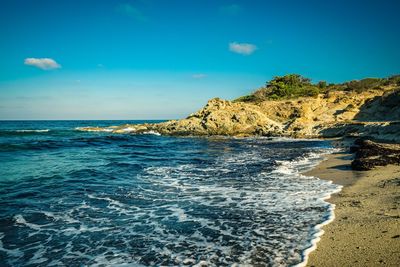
x: 77, y: 198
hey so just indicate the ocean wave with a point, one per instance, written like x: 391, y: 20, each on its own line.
x: 299, y: 166
x: 302, y: 163
x: 223, y: 203
x: 94, y: 129
x: 37, y: 145
x: 33, y: 131
x: 15, y: 253
x: 152, y: 133
x: 23, y: 132
x: 127, y: 130
x: 288, y: 188
x: 318, y: 228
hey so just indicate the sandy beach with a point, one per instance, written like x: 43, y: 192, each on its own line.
x: 366, y: 228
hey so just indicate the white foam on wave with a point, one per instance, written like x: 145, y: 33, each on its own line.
x: 63, y: 217
x: 94, y: 129
x: 181, y: 178
x: 316, y: 237
x: 179, y: 213
x: 19, y: 219
x: 283, y: 167
x: 152, y: 133
x: 128, y: 130
x: 32, y: 131
x: 297, y: 167
x: 272, y: 139
x: 319, y: 230
x: 303, y: 163
x: 224, y: 209
x: 110, y: 200
x: 113, y: 204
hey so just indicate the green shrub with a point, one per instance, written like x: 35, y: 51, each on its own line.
x: 394, y: 80
x: 294, y: 85
x: 364, y: 84
x: 246, y: 98
x: 321, y: 84
x: 289, y: 86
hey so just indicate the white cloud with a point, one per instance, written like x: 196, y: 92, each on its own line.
x: 199, y: 76
x: 242, y: 48
x: 42, y: 63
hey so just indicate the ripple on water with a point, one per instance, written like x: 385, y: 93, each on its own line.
x: 168, y: 201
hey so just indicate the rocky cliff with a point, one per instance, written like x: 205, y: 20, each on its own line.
x: 374, y: 113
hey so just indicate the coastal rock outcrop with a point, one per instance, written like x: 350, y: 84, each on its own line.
x: 373, y: 113
x: 222, y: 117
x: 369, y: 154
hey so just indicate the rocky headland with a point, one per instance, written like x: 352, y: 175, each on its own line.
x: 291, y: 106
x: 365, y: 230
x: 373, y: 113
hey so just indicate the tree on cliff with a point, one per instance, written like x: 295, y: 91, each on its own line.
x: 295, y: 85
x: 281, y: 87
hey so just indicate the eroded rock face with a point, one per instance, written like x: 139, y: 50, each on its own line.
x: 384, y: 108
x: 221, y: 117
x: 369, y: 155
x: 333, y: 114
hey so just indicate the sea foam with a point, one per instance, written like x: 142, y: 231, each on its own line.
x: 32, y: 131
x: 146, y: 200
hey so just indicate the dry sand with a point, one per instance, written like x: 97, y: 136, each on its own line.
x: 366, y: 229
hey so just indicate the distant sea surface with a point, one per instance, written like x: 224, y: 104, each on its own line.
x: 73, y: 198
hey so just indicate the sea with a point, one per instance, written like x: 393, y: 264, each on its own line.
x: 75, y: 198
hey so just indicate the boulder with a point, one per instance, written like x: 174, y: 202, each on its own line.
x: 369, y: 154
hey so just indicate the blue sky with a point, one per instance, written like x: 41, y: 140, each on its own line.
x: 155, y: 59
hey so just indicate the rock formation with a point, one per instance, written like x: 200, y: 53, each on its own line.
x: 370, y: 154
x: 374, y: 113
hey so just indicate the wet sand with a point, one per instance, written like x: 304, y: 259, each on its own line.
x: 366, y: 228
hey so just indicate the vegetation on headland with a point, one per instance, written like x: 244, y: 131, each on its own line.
x: 294, y: 85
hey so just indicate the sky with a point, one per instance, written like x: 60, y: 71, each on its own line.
x: 159, y: 59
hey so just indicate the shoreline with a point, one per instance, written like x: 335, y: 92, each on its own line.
x: 364, y: 229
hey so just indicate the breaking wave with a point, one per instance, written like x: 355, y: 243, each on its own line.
x: 100, y: 199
